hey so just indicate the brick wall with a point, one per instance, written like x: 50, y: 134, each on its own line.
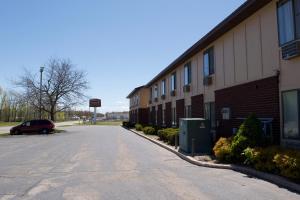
x: 260, y: 97
x: 143, y: 116
x: 179, y: 110
x: 168, y: 114
x: 197, y: 106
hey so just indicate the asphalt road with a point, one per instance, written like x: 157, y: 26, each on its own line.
x: 112, y: 163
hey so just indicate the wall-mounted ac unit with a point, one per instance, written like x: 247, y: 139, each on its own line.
x: 173, y: 93
x: 186, y: 88
x: 150, y: 101
x: 207, y: 80
x: 290, y: 50
x: 156, y: 99
x: 163, y: 97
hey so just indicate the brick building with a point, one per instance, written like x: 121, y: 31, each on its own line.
x: 248, y: 63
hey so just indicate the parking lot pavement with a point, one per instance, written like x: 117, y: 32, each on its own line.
x: 109, y: 162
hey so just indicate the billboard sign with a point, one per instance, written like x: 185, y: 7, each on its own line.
x: 95, y: 103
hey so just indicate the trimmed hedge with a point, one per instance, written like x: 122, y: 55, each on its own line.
x: 168, y: 135
x: 128, y: 124
x: 149, y: 130
x: 139, y: 127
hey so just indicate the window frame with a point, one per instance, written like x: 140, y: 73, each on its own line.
x: 282, y: 115
x: 187, y: 77
x: 173, y: 81
x: 279, y: 4
x: 156, y: 91
x: 211, y: 62
x: 163, y: 87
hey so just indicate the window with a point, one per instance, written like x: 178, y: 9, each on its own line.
x: 290, y: 101
x: 188, y: 112
x: 209, y: 113
x: 288, y: 15
x: 163, y: 87
x: 286, y: 22
x: 155, y: 91
x: 174, y: 122
x: 173, y: 81
x: 208, y: 62
x: 187, y: 73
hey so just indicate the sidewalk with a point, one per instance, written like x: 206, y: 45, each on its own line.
x: 278, y: 180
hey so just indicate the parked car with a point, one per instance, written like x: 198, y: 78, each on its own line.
x: 33, y: 126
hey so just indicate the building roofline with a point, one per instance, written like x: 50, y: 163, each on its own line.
x: 240, y: 14
x: 134, y: 91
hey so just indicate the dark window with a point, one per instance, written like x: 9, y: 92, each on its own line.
x: 291, y: 114
x: 208, y: 62
x: 187, y: 73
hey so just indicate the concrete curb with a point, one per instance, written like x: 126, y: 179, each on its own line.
x: 275, y: 179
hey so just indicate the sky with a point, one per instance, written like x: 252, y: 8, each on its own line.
x: 120, y: 44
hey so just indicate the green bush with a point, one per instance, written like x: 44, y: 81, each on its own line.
x: 222, y: 149
x: 138, y: 127
x: 288, y: 163
x: 127, y: 124
x: 168, y: 135
x: 262, y: 158
x: 148, y: 130
x: 251, y: 128
x: 238, y: 145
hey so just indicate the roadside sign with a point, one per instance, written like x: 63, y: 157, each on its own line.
x: 95, y: 103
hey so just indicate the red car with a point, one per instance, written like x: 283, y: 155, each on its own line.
x: 34, y: 126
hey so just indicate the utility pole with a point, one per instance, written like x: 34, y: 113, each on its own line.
x: 41, y: 79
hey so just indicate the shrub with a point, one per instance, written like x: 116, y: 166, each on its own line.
x: 222, y: 149
x: 238, y: 145
x: 168, y: 135
x: 127, y: 124
x: 138, y: 127
x: 251, y: 128
x: 288, y: 162
x: 148, y: 130
x: 262, y: 158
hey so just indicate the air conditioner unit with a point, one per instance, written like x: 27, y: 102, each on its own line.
x: 207, y: 80
x: 173, y: 93
x: 156, y: 99
x: 186, y: 88
x: 290, y: 50
x: 150, y: 101
x: 163, y: 97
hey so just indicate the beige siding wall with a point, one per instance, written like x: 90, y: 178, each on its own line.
x: 246, y: 53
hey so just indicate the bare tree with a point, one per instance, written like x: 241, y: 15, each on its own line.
x: 63, y: 87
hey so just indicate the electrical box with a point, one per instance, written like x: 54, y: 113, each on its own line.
x: 197, y: 129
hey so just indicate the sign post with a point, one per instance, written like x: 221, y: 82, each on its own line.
x: 95, y: 103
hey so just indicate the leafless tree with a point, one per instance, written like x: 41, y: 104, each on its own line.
x: 63, y: 87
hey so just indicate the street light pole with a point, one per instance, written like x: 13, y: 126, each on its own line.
x: 41, y: 79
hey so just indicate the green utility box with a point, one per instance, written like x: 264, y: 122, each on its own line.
x: 197, y: 129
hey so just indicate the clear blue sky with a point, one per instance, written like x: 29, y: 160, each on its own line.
x: 120, y: 44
